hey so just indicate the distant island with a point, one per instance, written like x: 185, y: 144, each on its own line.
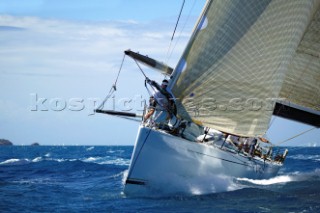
x: 35, y: 144
x: 4, y: 142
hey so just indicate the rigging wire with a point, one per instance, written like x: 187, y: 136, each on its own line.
x: 178, y: 20
x: 169, y: 48
x: 140, y: 68
x: 302, y: 133
x: 184, y: 26
x: 112, y: 90
x: 150, y: 94
x: 113, y: 87
x: 124, y: 55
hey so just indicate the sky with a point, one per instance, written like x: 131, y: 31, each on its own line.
x: 58, y: 60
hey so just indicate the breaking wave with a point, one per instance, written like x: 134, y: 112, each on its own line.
x: 97, y: 160
x: 90, y: 148
x: 107, y: 160
x: 15, y: 162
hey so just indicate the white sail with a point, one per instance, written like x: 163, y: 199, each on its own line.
x: 301, y: 88
x: 242, y: 56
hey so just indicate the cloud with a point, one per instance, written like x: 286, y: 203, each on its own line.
x: 66, y: 46
x: 72, y: 59
x: 30, y: 74
x: 9, y: 28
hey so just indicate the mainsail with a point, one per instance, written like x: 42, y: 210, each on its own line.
x: 243, y: 57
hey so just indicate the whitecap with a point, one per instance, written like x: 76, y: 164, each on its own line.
x: 10, y: 161
x: 71, y: 160
x: 92, y: 159
x: 305, y: 157
x: 46, y: 181
x: 90, y: 148
x: 264, y: 209
x: 38, y: 159
x: 119, y: 151
x: 61, y: 160
x: 15, y: 162
x: 118, y: 162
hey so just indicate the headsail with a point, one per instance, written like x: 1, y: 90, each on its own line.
x: 301, y: 87
x: 241, y: 58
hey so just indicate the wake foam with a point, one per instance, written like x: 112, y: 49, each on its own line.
x: 264, y: 182
x: 282, y: 179
x: 178, y: 185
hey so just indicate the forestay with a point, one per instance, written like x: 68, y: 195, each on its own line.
x: 244, y: 55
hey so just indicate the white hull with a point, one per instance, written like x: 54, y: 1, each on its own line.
x: 161, y: 161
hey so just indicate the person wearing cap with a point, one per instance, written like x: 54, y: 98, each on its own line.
x: 164, y: 103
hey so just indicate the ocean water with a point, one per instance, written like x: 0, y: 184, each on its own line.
x: 90, y: 179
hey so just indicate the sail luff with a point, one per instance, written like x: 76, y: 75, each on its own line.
x: 181, y: 63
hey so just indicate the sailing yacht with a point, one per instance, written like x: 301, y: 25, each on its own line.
x: 245, y: 62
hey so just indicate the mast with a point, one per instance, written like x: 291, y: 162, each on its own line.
x: 181, y: 64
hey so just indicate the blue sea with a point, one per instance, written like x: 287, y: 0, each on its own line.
x: 90, y: 179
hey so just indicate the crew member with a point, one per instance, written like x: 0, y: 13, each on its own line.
x: 164, y: 105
